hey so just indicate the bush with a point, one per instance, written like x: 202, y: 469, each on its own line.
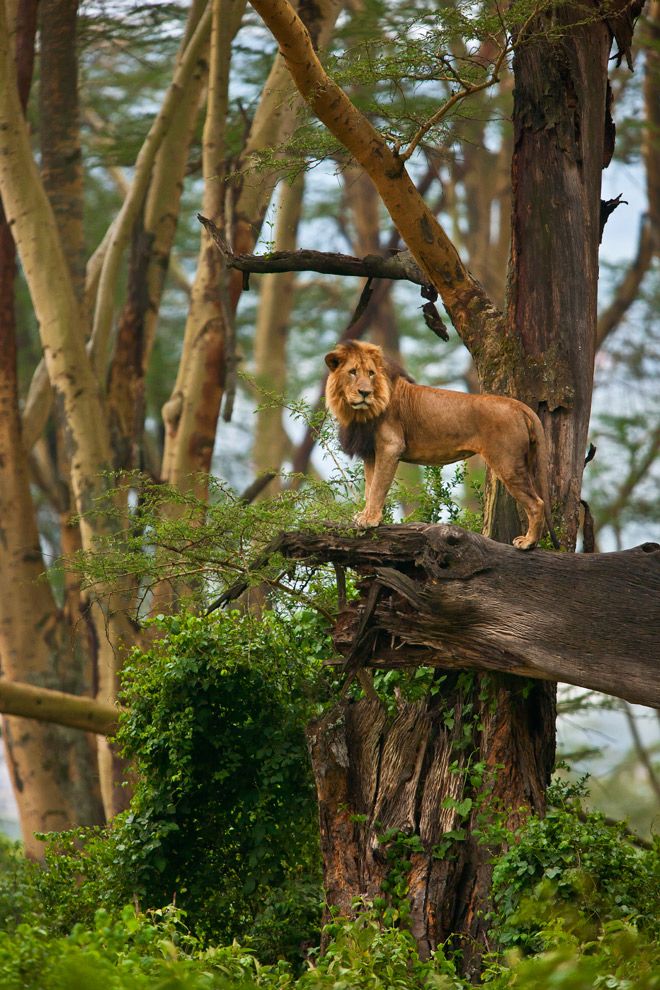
x: 224, y: 814
x: 574, y: 860
x: 224, y: 819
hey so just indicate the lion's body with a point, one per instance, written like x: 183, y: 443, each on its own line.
x: 386, y: 418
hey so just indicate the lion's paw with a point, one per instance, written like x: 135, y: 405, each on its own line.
x: 524, y: 543
x: 363, y: 521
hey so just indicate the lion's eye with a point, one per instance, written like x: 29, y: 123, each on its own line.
x: 353, y: 372
x: 372, y: 374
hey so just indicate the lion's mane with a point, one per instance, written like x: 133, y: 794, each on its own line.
x: 357, y: 427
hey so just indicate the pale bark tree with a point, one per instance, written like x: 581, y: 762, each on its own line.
x: 191, y: 414
x: 152, y: 241
x: 271, y: 442
x: 70, y: 373
x: 52, y: 768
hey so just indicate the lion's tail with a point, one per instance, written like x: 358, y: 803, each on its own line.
x: 539, y: 458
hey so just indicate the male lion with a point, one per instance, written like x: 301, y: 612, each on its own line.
x: 384, y: 418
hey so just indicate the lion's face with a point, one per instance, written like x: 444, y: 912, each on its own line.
x: 358, y: 388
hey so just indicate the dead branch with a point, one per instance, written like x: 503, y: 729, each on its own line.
x: 400, y: 266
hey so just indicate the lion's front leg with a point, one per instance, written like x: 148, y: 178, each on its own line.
x: 378, y: 477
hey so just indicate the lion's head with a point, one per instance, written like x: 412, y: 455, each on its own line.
x: 358, y: 387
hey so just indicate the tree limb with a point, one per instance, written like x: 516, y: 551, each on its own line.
x: 400, y: 266
x: 469, y: 306
x: 44, y: 705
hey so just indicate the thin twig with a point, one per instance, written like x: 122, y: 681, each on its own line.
x: 467, y: 89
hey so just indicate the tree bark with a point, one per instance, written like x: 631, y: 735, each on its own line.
x: 201, y: 378
x: 559, y: 152
x: 427, y: 772
x: 153, y: 236
x: 191, y: 414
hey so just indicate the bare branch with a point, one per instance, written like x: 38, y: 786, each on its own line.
x: 400, y: 267
x: 466, y: 89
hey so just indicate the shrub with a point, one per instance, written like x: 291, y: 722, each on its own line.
x: 575, y: 861
x: 224, y: 814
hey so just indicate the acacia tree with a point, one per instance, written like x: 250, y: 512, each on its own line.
x: 394, y: 776
x: 99, y: 416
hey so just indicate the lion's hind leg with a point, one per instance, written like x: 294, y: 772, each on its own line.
x: 518, y: 481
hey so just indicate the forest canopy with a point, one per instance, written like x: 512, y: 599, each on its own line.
x: 301, y: 765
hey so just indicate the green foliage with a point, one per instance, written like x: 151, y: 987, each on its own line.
x: 442, y: 500
x: 576, y: 908
x: 16, y: 890
x: 156, y: 951
x: 619, y: 958
x: 83, y: 872
x: 128, y: 952
x: 223, y: 819
x: 160, y: 534
x: 365, y: 954
x: 576, y: 861
x: 224, y: 813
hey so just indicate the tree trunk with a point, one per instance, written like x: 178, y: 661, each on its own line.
x: 53, y: 770
x: 427, y: 772
x: 271, y: 442
x: 153, y: 237
x: 191, y: 414
x: 559, y: 153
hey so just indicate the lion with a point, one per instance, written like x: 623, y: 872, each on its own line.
x: 385, y: 417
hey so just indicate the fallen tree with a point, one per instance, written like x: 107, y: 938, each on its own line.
x: 437, y: 595
x: 441, y: 596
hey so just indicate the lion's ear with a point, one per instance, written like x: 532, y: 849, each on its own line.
x: 333, y: 360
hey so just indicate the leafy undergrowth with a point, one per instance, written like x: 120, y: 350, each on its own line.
x: 212, y: 880
x: 156, y: 951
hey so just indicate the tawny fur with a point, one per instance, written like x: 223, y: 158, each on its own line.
x: 384, y: 418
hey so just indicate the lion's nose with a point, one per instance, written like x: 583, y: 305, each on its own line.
x: 364, y: 392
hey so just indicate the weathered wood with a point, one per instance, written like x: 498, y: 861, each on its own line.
x: 381, y: 778
x: 454, y: 599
